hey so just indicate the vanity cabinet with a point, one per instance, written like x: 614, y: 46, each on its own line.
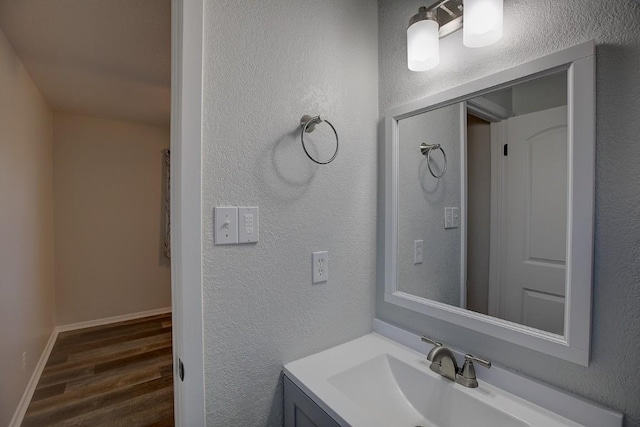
x: 301, y: 411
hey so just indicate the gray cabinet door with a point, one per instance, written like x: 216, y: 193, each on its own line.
x: 301, y: 411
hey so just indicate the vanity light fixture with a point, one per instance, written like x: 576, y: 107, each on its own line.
x: 482, y: 22
x: 423, y: 44
x: 483, y: 26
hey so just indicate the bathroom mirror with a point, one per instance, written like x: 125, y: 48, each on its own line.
x: 503, y: 252
x: 489, y: 204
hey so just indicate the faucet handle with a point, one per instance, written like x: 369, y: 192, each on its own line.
x: 471, y: 358
x: 467, y: 375
x: 434, y: 343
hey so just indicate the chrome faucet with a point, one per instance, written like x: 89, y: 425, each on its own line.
x: 443, y: 362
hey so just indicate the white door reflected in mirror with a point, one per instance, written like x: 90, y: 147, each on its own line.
x: 535, y: 210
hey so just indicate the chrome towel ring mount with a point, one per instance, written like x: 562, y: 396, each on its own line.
x: 308, y: 124
x: 426, y: 150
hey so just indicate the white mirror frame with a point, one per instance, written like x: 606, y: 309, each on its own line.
x: 579, y: 62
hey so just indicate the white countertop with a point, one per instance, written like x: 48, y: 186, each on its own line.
x: 313, y: 375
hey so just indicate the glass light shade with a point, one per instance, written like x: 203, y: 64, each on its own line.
x: 423, y: 45
x: 482, y: 22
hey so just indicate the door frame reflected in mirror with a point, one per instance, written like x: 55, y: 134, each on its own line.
x: 579, y: 64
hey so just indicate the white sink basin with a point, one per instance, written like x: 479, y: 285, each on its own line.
x: 375, y: 382
x: 400, y: 395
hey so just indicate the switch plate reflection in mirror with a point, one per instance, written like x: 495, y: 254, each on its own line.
x: 451, y: 218
x: 418, y: 246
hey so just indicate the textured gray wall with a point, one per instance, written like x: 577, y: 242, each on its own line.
x: 421, y: 202
x: 534, y: 29
x: 267, y: 64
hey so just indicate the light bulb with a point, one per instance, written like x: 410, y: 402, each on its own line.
x: 482, y: 22
x: 423, y: 44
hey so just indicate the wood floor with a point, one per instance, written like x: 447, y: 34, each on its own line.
x: 111, y: 375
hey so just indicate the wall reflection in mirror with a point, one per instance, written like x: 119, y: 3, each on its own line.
x: 490, y: 234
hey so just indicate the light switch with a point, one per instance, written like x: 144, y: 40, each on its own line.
x: 226, y: 226
x: 248, y: 227
x: 320, y: 267
x: 417, y: 251
x: 451, y: 218
x: 455, y: 218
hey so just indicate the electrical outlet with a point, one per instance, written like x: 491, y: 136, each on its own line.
x: 24, y: 361
x: 320, y: 267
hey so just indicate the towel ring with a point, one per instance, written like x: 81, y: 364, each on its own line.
x: 426, y: 150
x: 308, y: 125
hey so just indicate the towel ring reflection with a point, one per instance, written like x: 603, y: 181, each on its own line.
x: 308, y: 125
x: 426, y: 150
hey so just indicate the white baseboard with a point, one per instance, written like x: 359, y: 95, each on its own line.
x: 18, y: 415
x: 21, y: 410
x: 114, y: 319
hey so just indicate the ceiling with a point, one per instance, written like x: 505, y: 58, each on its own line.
x: 100, y: 58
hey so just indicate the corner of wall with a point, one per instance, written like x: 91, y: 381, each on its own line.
x: 27, y: 317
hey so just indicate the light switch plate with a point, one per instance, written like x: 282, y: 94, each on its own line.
x: 320, y: 266
x: 418, y: 246
x: 226, y: 226
x: 248, y: 225
x: 451, y: 218
x: 456, y: 217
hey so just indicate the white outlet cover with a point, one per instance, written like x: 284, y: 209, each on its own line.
x: 320, y: 267
x: 226, y: 226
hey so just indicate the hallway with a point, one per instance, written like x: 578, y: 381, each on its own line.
x: 118, y: 375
